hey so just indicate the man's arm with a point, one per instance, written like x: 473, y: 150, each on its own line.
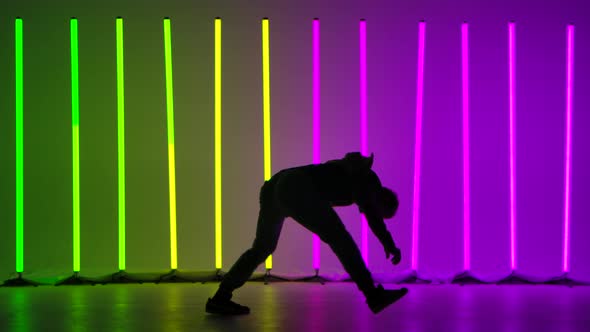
x: 378, y: 227
x: 370, y: 205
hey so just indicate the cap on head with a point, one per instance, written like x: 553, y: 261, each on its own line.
x: 357, y: 159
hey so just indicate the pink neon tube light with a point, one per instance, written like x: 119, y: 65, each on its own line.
x: 418, y: 146
x: 316, y: 120
x: 466, y: 198
x: 512, y: 89
x: 568, y: 146
x: 364, y: 145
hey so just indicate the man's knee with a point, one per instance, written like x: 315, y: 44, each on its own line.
x: 261, y: 251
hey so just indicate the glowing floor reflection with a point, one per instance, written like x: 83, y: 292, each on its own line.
x: 294, y: 307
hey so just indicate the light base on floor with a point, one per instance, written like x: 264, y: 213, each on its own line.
x: 564, y: 280
x: 315, y: 278
x: 466, y: 278
x: 123, y: 277
x: 174, y: 276
x: 76, y: 280
x: 268, y: 277
x: 515, y: 278
x: 19, y: 281
x: 412, y: 277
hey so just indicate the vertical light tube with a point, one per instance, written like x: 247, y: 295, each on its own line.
x: 266, y: 106
x: 466, y: 192
x: 121, y: 142
x: 218, y: 168
x: 512, y: 110
x: 19, y: 110
x: 418, y: 142
x: 171, y: 159
x: 364, y: 136
x: 75, y: 141
x: 316, y: 119
x: 568, y: 146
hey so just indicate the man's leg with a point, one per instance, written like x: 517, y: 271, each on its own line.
x: 268, y: 230
x: 299, y: 198
x: 324, y: 221
x: 267, y: 237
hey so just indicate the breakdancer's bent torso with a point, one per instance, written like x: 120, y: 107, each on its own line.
x: 308, y: 194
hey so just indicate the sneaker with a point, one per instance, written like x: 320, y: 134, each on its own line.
x: 225, y: 308
x: 382, y: 298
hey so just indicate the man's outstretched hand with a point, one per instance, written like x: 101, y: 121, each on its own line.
x: 395, y: 253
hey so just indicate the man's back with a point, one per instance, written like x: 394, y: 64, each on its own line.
x: 341, y: 182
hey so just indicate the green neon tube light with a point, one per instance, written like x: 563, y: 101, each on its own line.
x: 266, y: 106
x: 18, y: 32
x: 218, y: 143
x: 121, y: 142
x: 75, y: 141
x: 170, y: 121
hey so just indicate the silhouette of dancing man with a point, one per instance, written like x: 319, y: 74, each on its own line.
x: 307, y: 194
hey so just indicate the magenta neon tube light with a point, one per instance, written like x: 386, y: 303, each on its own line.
x: 465, y: 85
x: 511, y: 78
x: 418, y: 144
x: 364, y: 145
x: 568, y: 146
x: 316, y: 119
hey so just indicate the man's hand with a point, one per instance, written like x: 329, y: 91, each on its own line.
x: 395, y: 253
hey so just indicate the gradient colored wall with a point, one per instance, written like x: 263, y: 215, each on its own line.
x: 392, y: 50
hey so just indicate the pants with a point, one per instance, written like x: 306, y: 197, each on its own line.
x: 291, y: 193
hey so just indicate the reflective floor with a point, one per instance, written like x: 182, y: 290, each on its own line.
x: 294, y: 307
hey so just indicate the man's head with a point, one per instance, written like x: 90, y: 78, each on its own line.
x: 389, y: 202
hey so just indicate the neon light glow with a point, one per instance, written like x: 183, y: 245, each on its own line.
x: 171, y: 159
x: 568, y: 146
x: 218, y: 143
x: 418, y: 146
x: 316, y: 121
x: 75, y: 142
x: 364, y: 145
x: 465, y: 83
x: 266, y: 106
x: 121, y: 142
x: 511, y: 74
x: 18, y: 32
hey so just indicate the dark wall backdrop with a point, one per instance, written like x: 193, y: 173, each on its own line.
x: 392, y: 51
